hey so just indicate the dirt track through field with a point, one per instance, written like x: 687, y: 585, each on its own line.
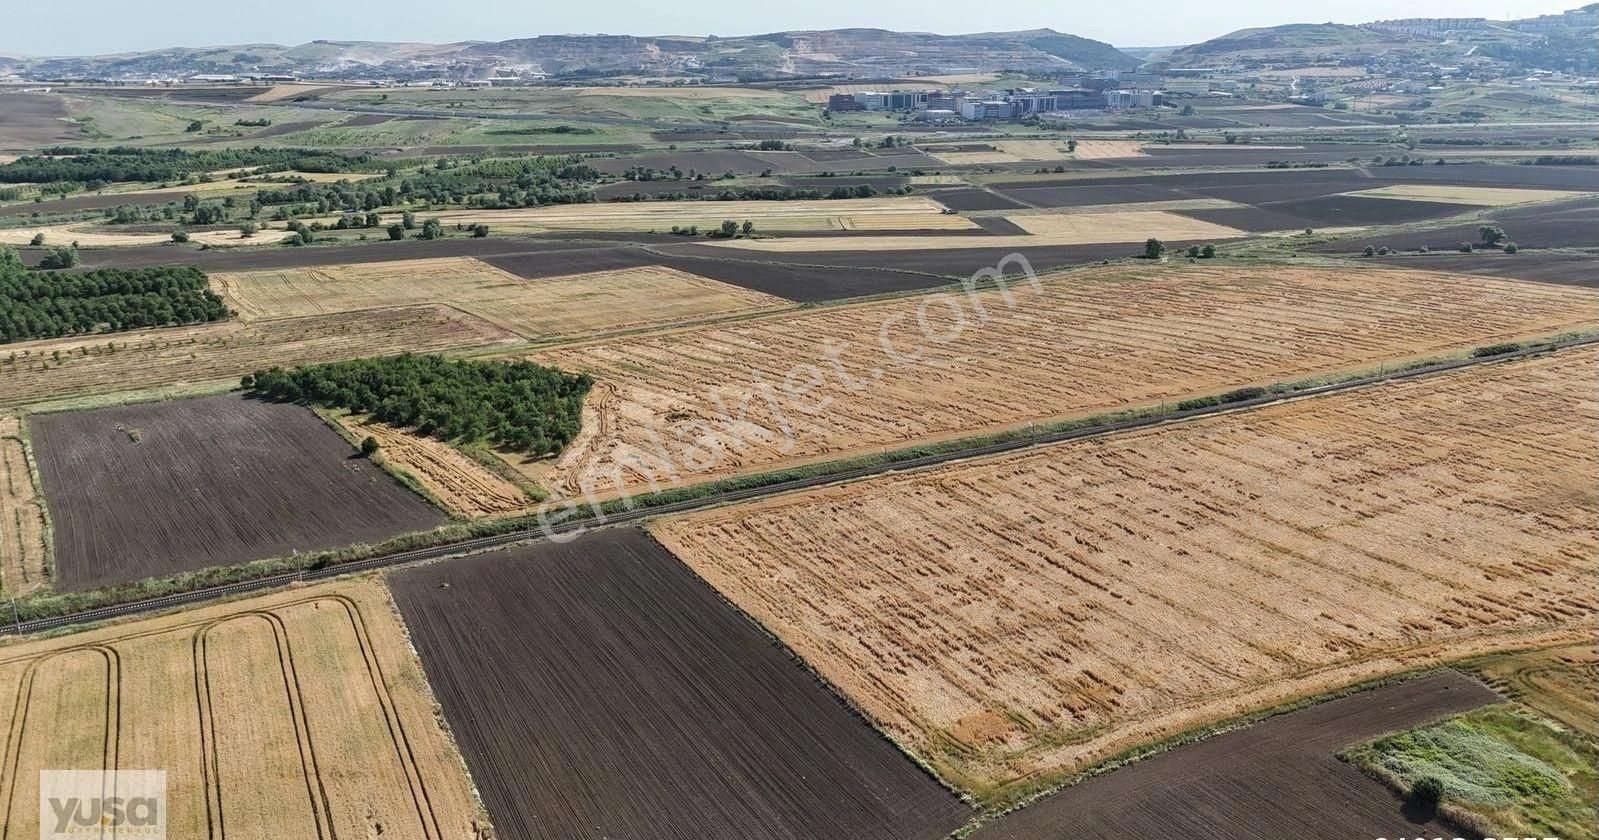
x: 598, y: 689
x: 302, y: 714
x: 159, y: 488
x: 22, y: 524
x: 1086, y: 343
x: 1018, y: 618
x: 1280, y: 778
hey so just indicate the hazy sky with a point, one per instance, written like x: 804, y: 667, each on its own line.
x: 78, y: 27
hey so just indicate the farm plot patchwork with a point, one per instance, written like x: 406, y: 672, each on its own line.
x: 546, y: 309
x: 598, y: 689
x: 1079, y: 344
x: 22, y: 523
x: 159, y: 488
x: 1018, y: 618
x: 891, y: 213
x: 302, y: 714
x: 36, y: 371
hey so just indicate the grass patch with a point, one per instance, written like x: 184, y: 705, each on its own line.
x: 1505, y: 766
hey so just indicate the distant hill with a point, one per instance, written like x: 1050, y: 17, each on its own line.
x: 855, y: 52
x: 1295, y: 39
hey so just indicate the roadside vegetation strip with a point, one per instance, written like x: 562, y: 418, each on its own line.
x: 24, y: 529
x: 1271, y: 554
x: 229, y: 698
x: 44, y: 611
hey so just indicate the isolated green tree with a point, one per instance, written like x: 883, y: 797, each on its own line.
x: 396, y: 232
x: 1427, y: 790
x: 432, y: 229
x: 408, y: 220
x: 38, y: 239
x: 248, y: 229
x: 1490, y: 234
x: 369, y: 446
x: 479, y: 231
x: 1071, y: 146
x: 1510, y: 247
x: 1153, y: 248
x: 729, y: 229
x: 180, y: 236
x: 748, y: 227
x: 1208, y: 251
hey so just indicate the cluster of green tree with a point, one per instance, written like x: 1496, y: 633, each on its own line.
x: 126, y: 163
x: 770, y: 146
x: 261, y: 122
x: 1239, y: 395
x: 1571, y: 51
x: 520, y: 405
x: 1296, y: 164
x: 1563, y: 160
x: 37, y: 304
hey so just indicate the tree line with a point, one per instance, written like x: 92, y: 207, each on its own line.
x: 44, y: 304
x: 519, y: 405
x: 97, y: 167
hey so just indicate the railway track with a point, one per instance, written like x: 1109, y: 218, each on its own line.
x: 542, y: 534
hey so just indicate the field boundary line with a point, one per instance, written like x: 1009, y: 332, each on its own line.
x: 710, y: 494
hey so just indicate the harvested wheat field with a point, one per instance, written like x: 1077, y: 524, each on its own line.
x: 902, y: 212
x: 1452, y: 194
x: 1018, y: 618
x: 740, y: 398
x: 93, y: 235
x: 1043, y: 230
x: 461, y: 484
x: 1034, y: 149
x: 1101, y: 149
x: 1121, y: 226
x: 22, y: 524
x: 34, y: 371
x: 1558, y: 682
x: 303, y: 714
x: 545, y: 309
x: 959, y: 158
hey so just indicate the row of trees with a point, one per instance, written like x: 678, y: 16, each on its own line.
x: 35, y: 304
x: 519, y: 405
x: 126, y: 163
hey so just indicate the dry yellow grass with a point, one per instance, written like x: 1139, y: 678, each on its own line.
x: 301, y: 714
x: 37, y: 371
x: 22, y: 523
x: 556, y: 307
x: 1121, y: 226
x: 280, y: 92
x: 1101, y: 149
x: 1074, y: 227
x: 1018, y: 618
x: 972, y: 158
x: 1034, y: 149
x: 463, y: 486
x: 93, y: 235
x: 1451, y: 194
x: 910, y: 212
x: 716, y: 399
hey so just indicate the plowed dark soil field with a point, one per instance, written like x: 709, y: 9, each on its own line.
x: 1563, y: 225
x: 1279, y: 778
x: 155, y: 489
x: 598, y: 689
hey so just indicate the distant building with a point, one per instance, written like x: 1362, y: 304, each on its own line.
x: 987, y: 109
x: 1119, y: 99
x: 213, y: 77
x: 842, y: 102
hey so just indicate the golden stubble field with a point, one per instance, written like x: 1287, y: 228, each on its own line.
x: 462, y: 485
x: 1101, y: 224
x: 302, y: 714
x: 880, y: 213
x: 1015, y: 619
x: 541, y: 310
x: 22, y: 523
x: 35, y: 371
x: 768, y: 392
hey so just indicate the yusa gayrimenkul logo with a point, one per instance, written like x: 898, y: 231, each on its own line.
x: 84, y: 804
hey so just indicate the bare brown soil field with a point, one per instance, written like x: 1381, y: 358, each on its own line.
x: 302, y: 714
x: 460, y: 483
x: 100, y: 364
x: 1083, y: 343
x: 1279, y: 778
x: 158, y: 488
x: 1559, y: 682
x: 598, y: 689
x: 1566, y: 225
x: 22, y: 524
x: 1019, y: 618
x: 31, y: 120
x: 557, y: 307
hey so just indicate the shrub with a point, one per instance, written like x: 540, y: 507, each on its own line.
x: 1428, y: 791
x: 1369, y: 251
x: 480, y: 231
x: 38, y: 239
x: 369, y: 446
x: 304, y: 236
x: 180, y: 236
x: 1466, y: 248
x: 1207, y: 252
x: 59, y: 258
x: 1193, y: 251
x: 396, y: 232
x: 1510, y: 247
x: 1153, y: 248
x: 248, y: 229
